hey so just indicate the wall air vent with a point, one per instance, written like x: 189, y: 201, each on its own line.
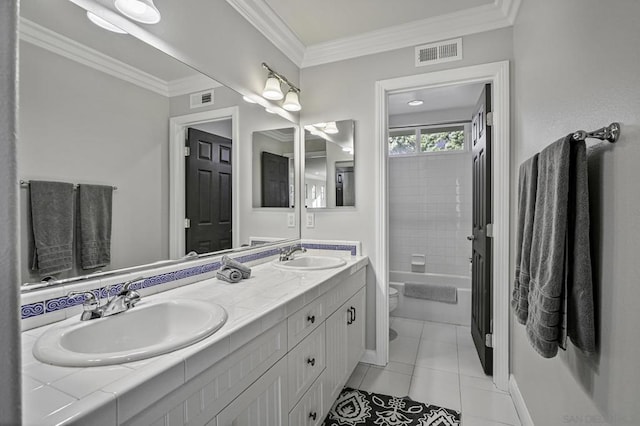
x: 436, y: 53
x: 201, y: 99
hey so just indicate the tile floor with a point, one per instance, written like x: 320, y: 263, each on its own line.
x: 436, y: 363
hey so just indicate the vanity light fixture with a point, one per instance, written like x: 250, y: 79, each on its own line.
x: 273, y: 90
x: 139, y: 10
x: 104, y: 24
x: 331, y: 128
x: 415, y: 102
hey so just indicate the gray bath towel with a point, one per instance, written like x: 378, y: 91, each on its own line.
x: 560, y: 286
x: 95, y: 206
x: 245, y: 270
x: 527, y: 186
x: 440, y: 293
x: 229, y: 274
x: 52, y: 224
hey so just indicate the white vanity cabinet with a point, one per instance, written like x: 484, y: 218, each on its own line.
x: 288, y: 375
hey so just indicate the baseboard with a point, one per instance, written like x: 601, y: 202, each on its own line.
x: 518, y: 401
x: 370, y: 357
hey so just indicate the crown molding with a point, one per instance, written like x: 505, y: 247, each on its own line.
x: 265, y: 20
x: 191, y: 84
x: 278, y: 135
x: 469, y: 21
x: 71, y: 49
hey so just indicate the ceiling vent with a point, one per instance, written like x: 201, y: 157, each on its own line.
x: 436, y: 53
x: 201, y: 99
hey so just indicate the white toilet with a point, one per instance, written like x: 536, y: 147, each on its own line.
x: 393, y: 299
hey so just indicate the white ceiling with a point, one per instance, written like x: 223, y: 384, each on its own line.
x: 317, y: 22
x: 435, y: 99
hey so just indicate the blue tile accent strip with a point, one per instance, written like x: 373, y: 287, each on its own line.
x: 59, y: 303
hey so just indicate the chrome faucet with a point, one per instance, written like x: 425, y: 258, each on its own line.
x: 287, y: 253
x: 121, y: 302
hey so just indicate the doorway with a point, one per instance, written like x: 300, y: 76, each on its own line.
x: 498, y: 75
x: 178, y: 134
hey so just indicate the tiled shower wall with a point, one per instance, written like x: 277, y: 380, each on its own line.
x: 430, y: 212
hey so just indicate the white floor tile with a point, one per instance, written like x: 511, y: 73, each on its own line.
x: 464, y: 336
x: 469, y: 362
x: 435, y: 387
x: 404, y: 350
x: 485, y: 383
x: 406, y: 327
x: 477, y: 421
x: 357, y: 376
x: 445, y: 333
x: 386, y: 382
x: 438, y: 356
x: 398, y: 367
x: 488, y: 405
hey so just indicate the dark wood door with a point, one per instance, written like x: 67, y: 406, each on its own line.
x: 275, y: 180
x: 208, y: 192
x: 481, y: 247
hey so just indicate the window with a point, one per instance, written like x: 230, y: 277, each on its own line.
x: 431, y: 139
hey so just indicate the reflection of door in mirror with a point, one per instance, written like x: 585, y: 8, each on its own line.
x: 208, y: 192
x: 273, y: 168
x: 345, y: 184
x: 275, y: 180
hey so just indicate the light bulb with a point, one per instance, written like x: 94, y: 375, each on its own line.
x: 104, y: 24
x: 272, y: 89
x: 139, y: 10
x: 291, y: 102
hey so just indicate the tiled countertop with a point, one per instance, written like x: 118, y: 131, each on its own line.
x: 110, y: 395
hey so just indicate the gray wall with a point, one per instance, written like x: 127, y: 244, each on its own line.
x: 80, y: 125
x: 346, y: 90
x: 10, y: 404
x: 577, y: 66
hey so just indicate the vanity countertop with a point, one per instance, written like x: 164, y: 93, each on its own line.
x: 113, y: 394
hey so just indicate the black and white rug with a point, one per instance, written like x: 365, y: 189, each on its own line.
x: 359, y: 408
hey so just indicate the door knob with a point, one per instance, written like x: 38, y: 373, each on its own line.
x: 471, y: 237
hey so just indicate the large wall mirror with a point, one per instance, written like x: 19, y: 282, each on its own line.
x: 100, y: 108
x: 329, y: 168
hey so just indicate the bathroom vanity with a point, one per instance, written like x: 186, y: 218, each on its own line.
x: 290, y: 343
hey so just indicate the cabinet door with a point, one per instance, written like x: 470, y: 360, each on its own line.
x: 355, y: 329
x: 264, y: 403
x: 336, y: 372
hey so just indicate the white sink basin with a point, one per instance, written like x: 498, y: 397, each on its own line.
x: 147, y: 330
x: 310, y: 263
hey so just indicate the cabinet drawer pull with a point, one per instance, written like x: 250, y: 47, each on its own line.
x: 313, y: 415
x: 311, y: 361
x: 311, y: 318
x: 354, y: 314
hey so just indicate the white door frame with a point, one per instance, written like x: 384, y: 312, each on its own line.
x: 496, y: 73
x: 177, y: 169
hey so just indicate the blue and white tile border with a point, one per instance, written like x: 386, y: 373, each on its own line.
x: 50, y: 305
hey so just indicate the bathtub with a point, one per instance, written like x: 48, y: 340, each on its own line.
x: 429, y: 310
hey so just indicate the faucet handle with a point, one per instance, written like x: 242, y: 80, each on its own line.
x: 90, y: 301
x: 126, y: 287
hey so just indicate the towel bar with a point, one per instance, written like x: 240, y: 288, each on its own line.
x: 609, y: 133
x: 25, y: 184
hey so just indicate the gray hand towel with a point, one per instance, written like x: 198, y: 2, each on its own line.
x: 95, y: 225
x: 52, y: 224
x: 527, y: 186
x: 245, y: 270
x: 560, y: 286
x: 228, y: 274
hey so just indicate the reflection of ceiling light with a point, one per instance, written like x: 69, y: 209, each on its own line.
x: 415, y: 102
x: 291, y: 102
x: 104, y: 24
x: 320, y: 125
x: 139, y: 10
x: 270, y: 111
x: 331, y: 128
x: 346, y: 149
x: 248, y: 100
x: 272, y: 89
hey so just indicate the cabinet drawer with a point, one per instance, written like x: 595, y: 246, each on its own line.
x: 305, y: 321
x: 306, y: 361
x: 310, y: 409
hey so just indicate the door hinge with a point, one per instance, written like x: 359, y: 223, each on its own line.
x: 490, y: 230
x: 187, y: 223
x: 488, y: 340
x: 187, y: 151
x: 489, y: 119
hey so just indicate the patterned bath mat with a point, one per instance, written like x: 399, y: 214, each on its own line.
x: 359, y: 408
